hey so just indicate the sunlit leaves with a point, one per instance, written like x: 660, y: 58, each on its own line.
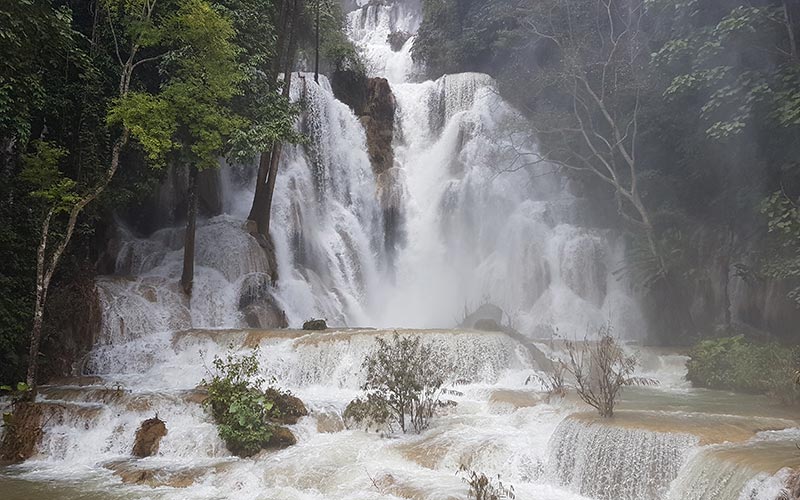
x: 151, y: 120
x: 41, y: 171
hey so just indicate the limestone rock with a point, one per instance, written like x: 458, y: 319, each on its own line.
x: 22, y: 434
x: 148, y: 437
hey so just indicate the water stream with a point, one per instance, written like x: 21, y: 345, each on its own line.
x: 476, y: 229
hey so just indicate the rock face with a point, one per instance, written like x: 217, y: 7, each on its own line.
x: 487, y: 317
x: 22, y: 433
x: 372, y: 100
x: 258, y: 304
x: 73, y: 321
x: 148, y: 437
x: 315, y: 324
x: 397, y: 39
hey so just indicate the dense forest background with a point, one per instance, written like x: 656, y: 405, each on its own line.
x: 678, y: 119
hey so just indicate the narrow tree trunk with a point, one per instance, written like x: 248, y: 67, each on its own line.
x: 187, y: 277
x: 316, y: 52
x: 276, y: 149
x: 259, y: 210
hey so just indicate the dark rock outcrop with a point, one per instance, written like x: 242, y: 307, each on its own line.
x: 73, y: 321
x: 372, y: 100
x: 148, y: 437
x: 397, y: 39
x: 23, y: 432
x: 485, y: 315
x: 315, y: 324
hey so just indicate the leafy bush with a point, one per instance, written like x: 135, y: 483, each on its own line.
x: 403, y: 385
x: 734, y: 363
x: 246, y: 415
x: 482, y: 487
x: 601, y: 370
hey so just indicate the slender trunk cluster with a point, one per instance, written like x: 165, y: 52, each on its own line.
x: 269, y: 161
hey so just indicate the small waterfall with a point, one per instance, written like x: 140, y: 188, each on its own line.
x: 601, y: 460
x: 754, y: 470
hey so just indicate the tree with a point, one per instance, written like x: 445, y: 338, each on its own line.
x: 602, y: 369
x: 404, y: 379
x: 61, y: 195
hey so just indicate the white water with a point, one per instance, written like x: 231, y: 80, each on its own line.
x: 473, y: 233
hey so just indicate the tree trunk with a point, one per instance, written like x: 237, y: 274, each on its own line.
x: 276, y: 149
x: 187, y: 277
x: 268, y: 164
x: 316, y: 51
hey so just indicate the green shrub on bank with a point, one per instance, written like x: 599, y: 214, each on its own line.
x: 734, y: 363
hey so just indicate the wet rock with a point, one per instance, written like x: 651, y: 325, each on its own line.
x: 23, y: 432
x: 378, y: 120
x: 487, y: 314
x: 397, y: 39
x: 315, y: 324
x: 289, y: 408
x: 282, y: 437
x: 372, y: 100
x: 488, y: 325
x: 130, y: 473
x: 329, y: 422
x: 258, y: 304
x: 148, y: 437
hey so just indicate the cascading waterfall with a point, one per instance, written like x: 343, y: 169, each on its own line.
x: 601, y: 460
x: 479, y: 226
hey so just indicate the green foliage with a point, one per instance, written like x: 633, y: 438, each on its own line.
x: 736, y: 88
x: 243, y: 411
x: 734, y: 363
x: 404, y: 379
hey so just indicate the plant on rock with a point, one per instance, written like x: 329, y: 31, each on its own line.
x: 403, y: 387
x: 482, y: 487
x: 601, y: 369
x: 247, y: 416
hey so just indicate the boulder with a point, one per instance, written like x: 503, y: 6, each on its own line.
x: 315, y: 324
x: 487, y: 314
x: 287, y: 407
x: 148, y: 437
x: 488, y: 325
x: 281, y: 438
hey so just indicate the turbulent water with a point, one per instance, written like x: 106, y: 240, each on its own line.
x: 476, y: 228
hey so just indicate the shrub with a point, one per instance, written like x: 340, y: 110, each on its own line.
x: 482, y: 487
x: 734, y: 363
x: 246, y: 415
x: 601, y: 370
x: 403, y: 386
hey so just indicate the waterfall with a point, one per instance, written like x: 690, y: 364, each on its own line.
x: 601, y: 460
x: 480, y: 224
